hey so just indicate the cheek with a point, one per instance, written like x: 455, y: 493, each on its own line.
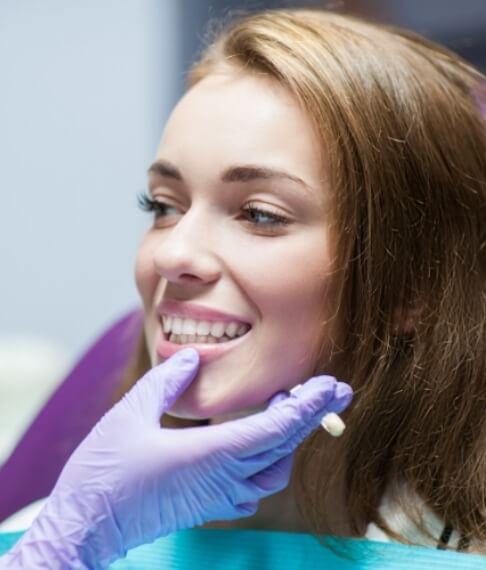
x: 288, y: 281
x: 146, y: 278
x: 293, y: 297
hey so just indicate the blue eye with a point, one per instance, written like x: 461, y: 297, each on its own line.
x: 160, y: 209
x: 262, y: 217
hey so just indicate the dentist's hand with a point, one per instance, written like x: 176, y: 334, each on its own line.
x: 131, y: 481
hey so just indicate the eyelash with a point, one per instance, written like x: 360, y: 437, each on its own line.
x: 148, y: 205
x: 160, y: 209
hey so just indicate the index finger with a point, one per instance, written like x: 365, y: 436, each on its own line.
x: 274, y: 426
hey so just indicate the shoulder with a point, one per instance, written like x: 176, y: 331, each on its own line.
x: 411, y: 519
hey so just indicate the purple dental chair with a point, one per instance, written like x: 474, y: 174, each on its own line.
x: 81, y: 399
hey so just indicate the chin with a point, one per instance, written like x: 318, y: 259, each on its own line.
x: 191, y: 406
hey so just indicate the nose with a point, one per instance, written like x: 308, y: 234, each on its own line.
x: 186, y: 251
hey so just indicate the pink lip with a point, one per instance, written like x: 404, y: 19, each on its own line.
x: 207, y: 352
x: 198, y: 312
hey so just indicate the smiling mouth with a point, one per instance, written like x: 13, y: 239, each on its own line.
x: 181, y: 330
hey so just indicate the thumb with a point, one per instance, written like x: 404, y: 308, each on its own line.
x: 160, y: 387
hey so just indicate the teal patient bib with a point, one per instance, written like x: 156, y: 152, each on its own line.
x: 210, y: 549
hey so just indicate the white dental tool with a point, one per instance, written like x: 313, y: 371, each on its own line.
x: 331, y: 422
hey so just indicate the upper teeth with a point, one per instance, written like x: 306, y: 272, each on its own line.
x: 180, y: 325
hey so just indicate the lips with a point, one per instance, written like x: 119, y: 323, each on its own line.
x: 207, y: 351
x: 197, y: 312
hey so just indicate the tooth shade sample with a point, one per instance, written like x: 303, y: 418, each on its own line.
x: 333, y: 424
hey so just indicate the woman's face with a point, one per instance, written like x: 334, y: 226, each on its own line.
x: 239, y: 243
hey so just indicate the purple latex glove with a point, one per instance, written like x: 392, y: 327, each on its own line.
x: 131, y: 481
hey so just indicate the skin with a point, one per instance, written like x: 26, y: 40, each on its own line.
x: 207, y: 250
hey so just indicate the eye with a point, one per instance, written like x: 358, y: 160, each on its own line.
x: 159, y: 208
x: 264, y: 218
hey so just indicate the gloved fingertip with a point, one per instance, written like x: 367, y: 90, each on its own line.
x: 186, y: 356
x: 343, y: 393
x: 323, y: 382
x: 278, y: 397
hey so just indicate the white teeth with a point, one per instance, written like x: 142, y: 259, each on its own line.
x: 189, y: 326
x: 242, y: 329
x: 217, y: 329
x: 231, y: 329
x: 167, y: 320
x: 184, y: 339
x: 177, y: 325
x: 184, y: 330
x: 203, y: 327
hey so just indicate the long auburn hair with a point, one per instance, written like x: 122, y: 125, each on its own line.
x: 405, y: 143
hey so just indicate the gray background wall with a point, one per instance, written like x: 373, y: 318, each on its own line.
x: 85, y: 89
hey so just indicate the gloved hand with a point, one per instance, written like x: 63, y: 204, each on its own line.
x: 131, y: 481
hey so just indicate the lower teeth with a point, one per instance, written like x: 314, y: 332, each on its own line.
x: 184, y: 339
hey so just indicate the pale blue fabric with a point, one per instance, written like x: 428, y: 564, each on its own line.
x: 248, y: 550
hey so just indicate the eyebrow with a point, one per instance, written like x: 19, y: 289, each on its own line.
x: 238, y: 173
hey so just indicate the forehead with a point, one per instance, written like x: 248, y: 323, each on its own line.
x: 234, y: 117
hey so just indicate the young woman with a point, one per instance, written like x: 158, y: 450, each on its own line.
x: 319, y: 200
x: 326, y: 178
